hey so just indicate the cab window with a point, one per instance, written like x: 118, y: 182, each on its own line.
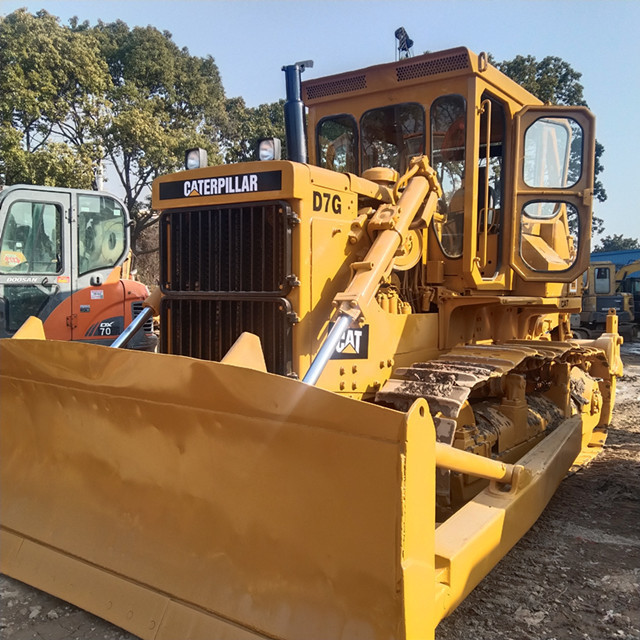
x: 601, y: 284
x: 32, y: 239
x: 392, y: 135
x: 553, y: 153
x: 550, y: 227
x: 550, y: 232
x: 101, y: 232
x: 448, y: 154
x: 337, y: 144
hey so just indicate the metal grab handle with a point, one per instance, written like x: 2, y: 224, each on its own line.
x: 486, y: 108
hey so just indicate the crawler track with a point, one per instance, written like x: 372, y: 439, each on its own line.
x: 448, y: 381
x: 476, y: 370
x: 476, y: 376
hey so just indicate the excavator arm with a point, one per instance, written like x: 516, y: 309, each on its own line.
x: 624, y: 271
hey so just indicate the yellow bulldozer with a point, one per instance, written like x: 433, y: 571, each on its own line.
x: 367, y: 388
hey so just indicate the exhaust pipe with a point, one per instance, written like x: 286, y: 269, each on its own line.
x: 294, y: 122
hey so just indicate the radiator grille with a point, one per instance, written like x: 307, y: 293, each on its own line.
x: 222, y: 249
x: 226, y: 270
x: 206, y: 328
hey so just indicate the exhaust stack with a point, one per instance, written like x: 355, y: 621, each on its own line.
x: 294, y: 122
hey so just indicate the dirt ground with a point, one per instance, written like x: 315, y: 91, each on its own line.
x: 576, y: 574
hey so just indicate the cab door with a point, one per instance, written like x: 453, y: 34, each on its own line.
x: 35, y: 259
x: 100, y: 309
x: 554, y: 175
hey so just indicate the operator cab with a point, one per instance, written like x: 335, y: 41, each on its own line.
x: 490, y: 142
x: 63, y: 258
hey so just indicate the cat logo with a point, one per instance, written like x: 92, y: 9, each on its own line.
x: 354, y: 344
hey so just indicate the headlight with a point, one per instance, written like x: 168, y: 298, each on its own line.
x: 269, y: 149
x: 195, y: 158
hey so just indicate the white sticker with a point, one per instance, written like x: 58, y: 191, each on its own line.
x: 97, y: 294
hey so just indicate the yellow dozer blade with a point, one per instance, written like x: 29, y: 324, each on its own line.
x: 179, y: 498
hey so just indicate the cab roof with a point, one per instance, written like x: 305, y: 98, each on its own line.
x: 459, y: 61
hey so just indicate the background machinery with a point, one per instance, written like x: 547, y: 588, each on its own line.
x: 367, y: 389
x: 612, y: 281
x: 64, y: 258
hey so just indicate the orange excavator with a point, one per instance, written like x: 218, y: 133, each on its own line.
x: 65, y: 259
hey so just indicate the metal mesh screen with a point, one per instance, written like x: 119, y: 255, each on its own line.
x: 243, y: 248
x: 336, y: 87
x: 226, y: 270
x: 432, y: 67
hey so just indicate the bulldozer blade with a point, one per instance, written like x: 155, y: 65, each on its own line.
x: 179, y: 498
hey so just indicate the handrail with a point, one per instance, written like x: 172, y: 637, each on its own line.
x: 485, y: 107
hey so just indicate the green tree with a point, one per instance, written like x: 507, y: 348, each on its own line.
x: 247, y: 125
x: 554, y: 81
x: 617, y: 242
x: 161, y: 102
x: 551, y: 80
x: 73, y: 96
x: 52, y: 87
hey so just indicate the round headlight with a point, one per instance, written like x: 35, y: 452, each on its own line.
x: 195, y: 158
x: 269, y: 149
x: 265, y: 152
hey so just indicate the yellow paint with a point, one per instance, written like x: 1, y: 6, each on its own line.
x: 472, y: 541
x: 246, y: 352
x: 185, y: 479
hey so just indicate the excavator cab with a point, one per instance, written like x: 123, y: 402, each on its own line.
x: 64, y: 258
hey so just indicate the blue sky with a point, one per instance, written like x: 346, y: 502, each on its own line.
x: 251, y: 40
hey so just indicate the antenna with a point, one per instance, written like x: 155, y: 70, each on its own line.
x: 404, y: 43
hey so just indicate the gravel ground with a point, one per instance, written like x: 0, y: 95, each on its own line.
x: 576, y: 574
